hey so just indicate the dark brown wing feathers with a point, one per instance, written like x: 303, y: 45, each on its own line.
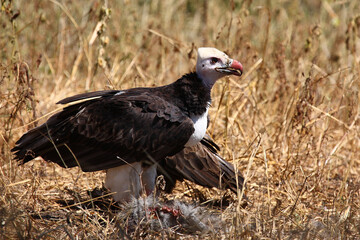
x: 201, y: 165
x: 87, y: 96
x: 108, y: 131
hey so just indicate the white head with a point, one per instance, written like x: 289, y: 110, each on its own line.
x: 213, y: 64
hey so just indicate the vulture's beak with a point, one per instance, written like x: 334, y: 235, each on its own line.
x: 233, y: 68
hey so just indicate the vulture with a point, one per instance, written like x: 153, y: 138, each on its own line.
x: 138, y: 133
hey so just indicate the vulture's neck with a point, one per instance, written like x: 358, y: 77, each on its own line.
x: 190, y: 94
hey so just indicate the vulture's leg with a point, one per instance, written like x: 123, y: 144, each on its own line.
x: 125, y: 181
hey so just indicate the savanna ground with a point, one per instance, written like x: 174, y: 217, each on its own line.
x: 290, y: 123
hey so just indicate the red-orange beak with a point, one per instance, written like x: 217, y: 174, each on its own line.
x: 234, y: 68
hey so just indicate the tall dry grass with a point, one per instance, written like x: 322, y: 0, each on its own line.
x: 290, y: 123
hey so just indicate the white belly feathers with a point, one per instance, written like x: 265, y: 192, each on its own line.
x: 200, y: 125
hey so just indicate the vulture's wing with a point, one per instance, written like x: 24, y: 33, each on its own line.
x: 202, y: 165
x: 107, y: 129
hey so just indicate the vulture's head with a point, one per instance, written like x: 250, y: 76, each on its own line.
x: 213, y: 64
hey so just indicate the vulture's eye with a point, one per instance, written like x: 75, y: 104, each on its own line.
x: 213, y: 60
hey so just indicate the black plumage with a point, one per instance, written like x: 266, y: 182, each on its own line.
x: 202, y: 165
x: 106, y: 129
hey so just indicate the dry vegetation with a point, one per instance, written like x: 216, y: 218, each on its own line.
x: 291, y: 123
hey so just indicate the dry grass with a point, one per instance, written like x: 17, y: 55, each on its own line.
x: 291, y: 124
